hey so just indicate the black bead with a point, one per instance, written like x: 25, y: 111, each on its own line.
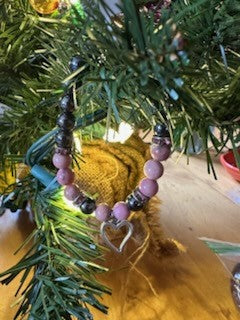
x: 88, y: 206
x: 161, y: 130
x: 64, y: 139
x: 66, y: 121
x: 76, y: 62
x: 66, y: 103
x: 134, y: 204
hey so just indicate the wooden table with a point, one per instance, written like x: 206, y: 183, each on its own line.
x: 192, y: 286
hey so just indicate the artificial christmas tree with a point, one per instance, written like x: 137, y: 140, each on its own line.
x: 179, y: 67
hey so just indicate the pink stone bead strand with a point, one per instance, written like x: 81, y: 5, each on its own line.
x: 65, y: 176
x: 62, y: 158
x: 148, y: 187
x: 120, y: 211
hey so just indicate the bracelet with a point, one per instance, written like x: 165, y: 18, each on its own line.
x: 117, y: 216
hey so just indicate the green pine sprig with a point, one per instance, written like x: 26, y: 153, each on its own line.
x: 64, y: 259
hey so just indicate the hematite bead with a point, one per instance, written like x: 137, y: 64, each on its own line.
x: 76, y: 62
x: 64, y: 139
x: 88, y: 206
x: 161, y: 130
x: 66, y: 121
x: 134, y: 204
x: 66, y: 103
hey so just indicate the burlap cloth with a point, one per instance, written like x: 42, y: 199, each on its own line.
x: 112, y: 171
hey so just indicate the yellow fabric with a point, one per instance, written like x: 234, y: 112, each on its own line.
x: 111, y: 170
x: 6, y: 178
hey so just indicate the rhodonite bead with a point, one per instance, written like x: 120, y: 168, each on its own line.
x: 66, y: 103
x: 153, y: 169
x: 148, y: 187
x: 66, y: 121
x: 160, y: 152
x: 65, y: 176
x: 121, y: 211
x: 72, y: 192
x: 103, y: 212
x: 61, y: 161
x: 88, y: 206
x: 134, y: 204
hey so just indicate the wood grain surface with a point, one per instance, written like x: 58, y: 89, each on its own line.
x: 192, y: 286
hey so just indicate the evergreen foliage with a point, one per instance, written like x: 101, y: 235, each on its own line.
x: 62, y: 259
x: 135, y: 69
x: 128, y: 72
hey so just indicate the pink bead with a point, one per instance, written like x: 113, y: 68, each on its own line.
x: 61, y: 161
x: 71, y: 192
x: 121, y: 211
x: 65, y: 176
x: 103, y: 212
x: 160, y: 153
x: 153, y: 169
x: 148, y: 187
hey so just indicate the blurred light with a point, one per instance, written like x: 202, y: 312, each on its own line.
x: 77, y: 142
x: 124, y: 132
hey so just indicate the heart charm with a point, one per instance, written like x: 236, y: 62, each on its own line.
x: 116, y: 226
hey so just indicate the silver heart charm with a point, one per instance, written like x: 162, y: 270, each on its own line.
x: 116, y: 226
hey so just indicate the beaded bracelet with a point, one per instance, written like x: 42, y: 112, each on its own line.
x: 117, y: 216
